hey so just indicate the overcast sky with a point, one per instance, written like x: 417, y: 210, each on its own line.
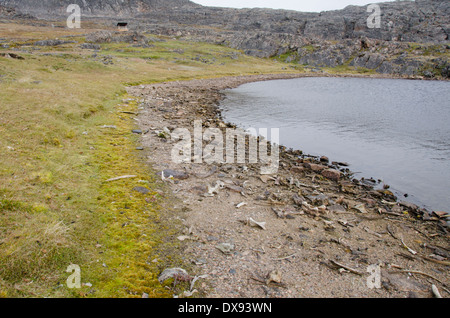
x: 299, y: 5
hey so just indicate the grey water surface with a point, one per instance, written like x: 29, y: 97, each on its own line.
x: 390, y: 129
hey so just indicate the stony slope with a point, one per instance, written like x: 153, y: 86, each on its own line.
x: 48, y: 8
x: 413, y: 38
x: 412, y: 21
x: 419, y: 21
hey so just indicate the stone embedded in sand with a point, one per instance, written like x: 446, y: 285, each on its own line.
x: 141, y: 190
x: 234, y: 188
x: 179, y: 175
x: 226, y: 248
x: 320, y: 199
x: 297, y: 169
x: 336, y: 208
x: 332, y: 174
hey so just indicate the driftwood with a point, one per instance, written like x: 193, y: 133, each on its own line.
x: 122, y: 177
x: 352, y: 270
x: 419, y: 273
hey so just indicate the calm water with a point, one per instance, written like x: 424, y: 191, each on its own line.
x: 394, y: 130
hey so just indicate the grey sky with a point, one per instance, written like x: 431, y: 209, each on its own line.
x: 299, y: 5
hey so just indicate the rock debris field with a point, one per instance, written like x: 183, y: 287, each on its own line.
x: 309, y: 230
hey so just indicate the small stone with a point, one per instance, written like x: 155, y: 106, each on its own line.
x: 297, y: 169
x: 234, y: 188
x: 226, y: 248
x: 275, y: 277
x: 141, y: 190
x: 314, y: 167
x: 180, y: 175
x: 338, y: 163
x: 336, y: 208
x: 211, y: 238
x: 324, y: 159
x: 320, y: 199
x: 137, y: 131
x: 360, y: 208
x: 200, y: 261
x: 332, y: 174
x: 109, y: 126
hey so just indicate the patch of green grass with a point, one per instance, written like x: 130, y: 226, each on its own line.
x: 309, y: 48
x: 347, y: 69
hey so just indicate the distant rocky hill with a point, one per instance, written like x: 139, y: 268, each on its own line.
x: 49, y: 8
x: 412, y: 21
x: 11, y: 13
x: 413, y: 38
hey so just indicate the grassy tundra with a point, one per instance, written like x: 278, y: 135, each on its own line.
x: 66, y: 123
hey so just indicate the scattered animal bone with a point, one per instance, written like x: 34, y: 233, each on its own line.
x: 254, y: 223
x: 214, y: 189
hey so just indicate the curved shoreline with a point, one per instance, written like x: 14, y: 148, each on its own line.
x: 327, y: 211
x: 397, y: 190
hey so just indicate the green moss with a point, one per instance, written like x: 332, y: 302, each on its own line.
x: 12, y: 205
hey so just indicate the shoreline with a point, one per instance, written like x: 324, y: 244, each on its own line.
x: 309, y: 208
x: 397, y: 191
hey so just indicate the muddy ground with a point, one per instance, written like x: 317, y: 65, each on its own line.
x: 310, y: 230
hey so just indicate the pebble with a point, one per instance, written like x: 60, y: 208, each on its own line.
x: 141, y: 190
x: 180, y: 175
x: 332, y: 174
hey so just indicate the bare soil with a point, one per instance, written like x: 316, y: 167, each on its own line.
x: 320, y: 235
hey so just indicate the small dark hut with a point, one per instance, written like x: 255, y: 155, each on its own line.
x: 122, y: 26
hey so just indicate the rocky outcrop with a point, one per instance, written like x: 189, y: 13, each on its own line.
x: 11, y: 13
x: 413, y: 38
x: 407, y: 21
x: 55, y: 8
x: 418, y: 21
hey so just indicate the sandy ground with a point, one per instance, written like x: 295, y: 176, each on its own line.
x: 294, y: 234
